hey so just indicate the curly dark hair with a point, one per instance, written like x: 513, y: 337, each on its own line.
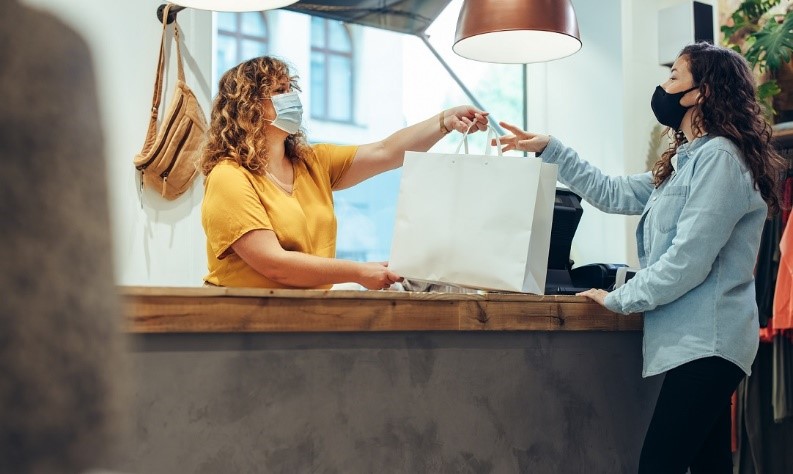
x: 236, y: 129
x: 727, y: 107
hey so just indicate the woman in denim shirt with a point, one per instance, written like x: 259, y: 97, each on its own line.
x: 702, y: 211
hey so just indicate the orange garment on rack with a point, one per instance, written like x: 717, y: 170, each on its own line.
x: 783, y: 295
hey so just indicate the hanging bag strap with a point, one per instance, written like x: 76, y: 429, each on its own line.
x: 151, y: 133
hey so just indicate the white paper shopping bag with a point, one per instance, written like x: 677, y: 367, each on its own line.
x: 480, y: 221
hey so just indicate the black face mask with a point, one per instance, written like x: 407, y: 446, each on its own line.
x: 667, y: 108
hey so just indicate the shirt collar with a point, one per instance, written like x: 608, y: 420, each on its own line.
x: 685, y: 150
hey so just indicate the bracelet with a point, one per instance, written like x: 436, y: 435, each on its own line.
x: 444, y: 130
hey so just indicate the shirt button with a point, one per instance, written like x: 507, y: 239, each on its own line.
x: 655, y: 197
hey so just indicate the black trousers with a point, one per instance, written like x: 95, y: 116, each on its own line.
x: 690, y: 427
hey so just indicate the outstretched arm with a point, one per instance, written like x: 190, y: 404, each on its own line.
x: 612, y: 194
x: 261, y: 250
x: 378, y: 157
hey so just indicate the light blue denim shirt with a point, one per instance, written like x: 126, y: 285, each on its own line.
x: 698, y: 239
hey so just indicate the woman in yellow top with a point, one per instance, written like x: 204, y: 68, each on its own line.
x: 268, y: 204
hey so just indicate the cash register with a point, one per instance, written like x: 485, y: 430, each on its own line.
x: 562, y: 278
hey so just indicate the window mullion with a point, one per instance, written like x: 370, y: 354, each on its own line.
x: 326, y: 66
x: 237, y: 37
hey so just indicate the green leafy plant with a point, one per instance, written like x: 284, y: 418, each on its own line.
x: 762, y: 30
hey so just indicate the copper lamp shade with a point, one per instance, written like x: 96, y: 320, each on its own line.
x: 516, y: 31
x: 233, y: 5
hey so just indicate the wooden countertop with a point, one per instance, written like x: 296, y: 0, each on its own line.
x: 229, y: 310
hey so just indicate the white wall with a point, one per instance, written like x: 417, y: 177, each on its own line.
x: 158, y: 242
x: 596, y: 101
x: 579, y: 100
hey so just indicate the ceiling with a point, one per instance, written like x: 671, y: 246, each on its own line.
x: 403, y: 16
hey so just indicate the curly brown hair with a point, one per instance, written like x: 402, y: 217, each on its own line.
x: 236, y: 129
x: 727, y: 107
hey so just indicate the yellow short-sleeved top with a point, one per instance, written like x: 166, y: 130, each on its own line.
x: 237, y: 201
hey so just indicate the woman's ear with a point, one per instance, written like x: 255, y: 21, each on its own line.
x: 702, y: 95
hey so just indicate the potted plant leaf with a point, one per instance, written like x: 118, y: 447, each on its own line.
x: 762, y: 30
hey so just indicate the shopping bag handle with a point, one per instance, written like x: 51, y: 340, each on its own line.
x: 491, y: 135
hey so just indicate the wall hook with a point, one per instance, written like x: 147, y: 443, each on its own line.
x: 171, y: 13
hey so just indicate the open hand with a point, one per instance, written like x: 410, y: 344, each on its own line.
x: 598, y: 296
x: 521, y: 140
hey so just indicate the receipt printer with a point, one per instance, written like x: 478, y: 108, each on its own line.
x: 596, y: 275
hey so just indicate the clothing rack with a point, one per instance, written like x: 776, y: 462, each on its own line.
x: 782, y: 136
x: 782, y: 139
x: 171, y: 13
x: 763, y: 420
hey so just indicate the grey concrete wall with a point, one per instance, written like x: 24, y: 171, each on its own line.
x: 531, y: 402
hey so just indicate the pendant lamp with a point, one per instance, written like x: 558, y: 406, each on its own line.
x: 516, y: 31
x: 233, y: 5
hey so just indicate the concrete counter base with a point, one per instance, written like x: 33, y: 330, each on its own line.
x: 395, y: 402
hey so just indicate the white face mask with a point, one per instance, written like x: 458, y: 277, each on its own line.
x: 288, y: 112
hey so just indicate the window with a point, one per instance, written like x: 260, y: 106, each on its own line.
x: 240, y: 36
x: 331, y: 71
